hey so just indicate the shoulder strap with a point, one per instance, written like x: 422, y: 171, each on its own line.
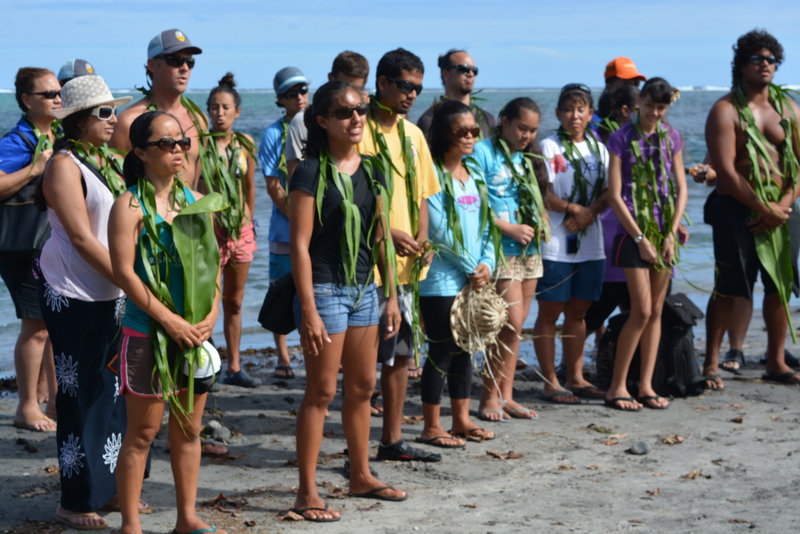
x: 31, y: 144
x: 92, y: 169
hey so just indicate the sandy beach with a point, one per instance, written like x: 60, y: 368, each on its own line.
x: 732, y: 466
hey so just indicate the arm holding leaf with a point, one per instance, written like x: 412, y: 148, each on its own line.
x: 393, y: 317
x: 646, y: 249
x: 681, y: 197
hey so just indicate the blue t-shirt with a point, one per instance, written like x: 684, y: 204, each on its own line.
x: 449, y: 271
x: 14, y: 151
x: 503, y: 190
x: 269, y: 155
x: 135, y: 317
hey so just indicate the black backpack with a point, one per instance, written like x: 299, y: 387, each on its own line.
x: 676, y: 373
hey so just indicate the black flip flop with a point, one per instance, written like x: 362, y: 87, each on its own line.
x: 733, y: 355
x: 612, y: 403
x: 642, y: 400
x: 434, y: 442
x: 373, y: 494
x: 783, y: 378
x: 315, y: 519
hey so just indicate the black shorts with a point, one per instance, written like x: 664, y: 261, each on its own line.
x: 17, y: 273
x: 614, y: 294
x: 626, y: 253
x: 737, y: 263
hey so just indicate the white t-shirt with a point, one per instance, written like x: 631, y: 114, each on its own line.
x: 562, y: 180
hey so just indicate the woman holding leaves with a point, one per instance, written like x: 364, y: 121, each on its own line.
x: 171, y: 310
x: 337, y: 226
x: 228, y: 168
x: 650, y: 205
x: 81, y: 305
x: 460, y: 229
x: 517, y: 181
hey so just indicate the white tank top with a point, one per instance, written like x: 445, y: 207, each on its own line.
x: 63, y: 267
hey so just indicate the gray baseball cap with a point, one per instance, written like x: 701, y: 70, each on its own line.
x: 287, y: 78
x: 170, y: 41
x: 74, y: 68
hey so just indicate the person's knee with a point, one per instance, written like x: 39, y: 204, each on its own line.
x: 141, y: 437
x: 34, y: 330
x: 232, y: 306
x: 322, y: 395
x: 360, y: 391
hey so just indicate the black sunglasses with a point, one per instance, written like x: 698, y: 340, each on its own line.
x: 464, y: 69
x: 404, y: 86
x: 346, y: 112
x: 463, y: 132
x: 176, y: 61
x: 756, y: 59
x: 291, y: 95
x: 167, y: 144
x: 576, y: 87
x: 49, y: 95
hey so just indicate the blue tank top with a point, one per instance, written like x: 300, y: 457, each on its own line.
x: 135, y: 317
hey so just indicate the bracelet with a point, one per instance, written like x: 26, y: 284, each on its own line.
x: 566, y: 210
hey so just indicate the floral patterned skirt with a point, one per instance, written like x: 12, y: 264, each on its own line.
x: 91, y: 412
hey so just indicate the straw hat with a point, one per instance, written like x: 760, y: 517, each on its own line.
x: 477, y: 317
x: 85, y: 92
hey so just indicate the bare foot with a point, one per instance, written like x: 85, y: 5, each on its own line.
x: 474, y: 433
x: 368, y: 486
x: 313, y: 508
x: 190, y: 525
x: 439, y: 437
x: 517, y: 411
x: 80, y: 520
x: 713, y: 382
x: 34, y: 422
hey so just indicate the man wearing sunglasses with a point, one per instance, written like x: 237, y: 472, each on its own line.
x: 741, y: 216
x: 458, y: 73
x: 291, y: 90
x: 398, y: 84
x: 169, y: 66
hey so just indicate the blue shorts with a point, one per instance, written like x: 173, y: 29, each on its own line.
x: 339, y: 307
x: 279, y: 265
x: 563, y: 281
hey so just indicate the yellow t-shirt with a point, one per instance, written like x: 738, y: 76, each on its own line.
x: 427, y: 182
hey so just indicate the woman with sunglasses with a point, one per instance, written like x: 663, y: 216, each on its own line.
x: 81, y: 305
x: 143, y: 218
x: 464, y: 255
x: 24, y: 153
x: 336, y: 194
x: 516, y: 182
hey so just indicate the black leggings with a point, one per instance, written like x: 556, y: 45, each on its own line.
x: 445, y: 358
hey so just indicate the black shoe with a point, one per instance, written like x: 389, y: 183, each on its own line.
x: 242, y: 379
x: 790, y: 359
x: 400, y: 451
x: 346, y: 470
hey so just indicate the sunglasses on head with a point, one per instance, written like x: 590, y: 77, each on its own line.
x: 104, y: 113
x: 464, y: 69
x: 49, y: 95
x: 464, y: 132
x: 756, y: 59
x: 404, y: 86
x: 176, y: 61
x: 167, y: 144
x: 576, y: 87
x: 346, y: 112
x: 291, y: 95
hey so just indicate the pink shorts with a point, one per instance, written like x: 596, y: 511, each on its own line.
x: 241, y: 251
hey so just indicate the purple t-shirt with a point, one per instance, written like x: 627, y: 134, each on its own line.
x: 619, y: 144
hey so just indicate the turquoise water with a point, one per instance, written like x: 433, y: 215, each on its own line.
x: 695, y: 274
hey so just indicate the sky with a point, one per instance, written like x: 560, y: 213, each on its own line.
x: 527, y: 43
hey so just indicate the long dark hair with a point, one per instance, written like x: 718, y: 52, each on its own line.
x: 440, y: 136
x: 658, y: 89
x: 324, y: 99
x: 610, y: 105
x: 73, y: 126
x: 141, y: 130
x: 513, y: 110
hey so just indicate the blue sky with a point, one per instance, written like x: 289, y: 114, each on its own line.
x: 516, y: 44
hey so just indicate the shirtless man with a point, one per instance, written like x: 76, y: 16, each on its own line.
x: 169, y: 66
x: 738, y: 214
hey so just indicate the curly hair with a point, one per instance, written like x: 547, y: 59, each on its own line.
x: 750, y: 43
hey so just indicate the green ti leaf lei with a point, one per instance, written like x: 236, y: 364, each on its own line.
x: 773, y: 246
x: 197, y: 250
x: 222, y: 174
x: 580, y: 189
x: 646, y: 193
x: 42, y: 139
x: 282, y: 160
x: 110, y: 166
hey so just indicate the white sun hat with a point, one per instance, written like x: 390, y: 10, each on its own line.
x: 86, y: 92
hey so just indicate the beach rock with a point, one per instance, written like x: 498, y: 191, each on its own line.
x: 217, y: 431
x: 640, y: 447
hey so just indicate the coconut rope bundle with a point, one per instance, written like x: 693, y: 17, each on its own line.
x: 477, y: 317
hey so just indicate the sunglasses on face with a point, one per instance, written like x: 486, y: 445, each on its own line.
x: 464, y: 132
x: 464, y: 69
x: 346, y: 112
x: 176, y: 61
x: 104, y: 113
x: 405, y: 87
x: 576, y: 87
x: 167, y: 144
x: 291, y: 95
x: 756, y: 59
x: 48, y: 95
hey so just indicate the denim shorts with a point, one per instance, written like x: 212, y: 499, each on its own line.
x: 340, y: 307
x: 563, y: 281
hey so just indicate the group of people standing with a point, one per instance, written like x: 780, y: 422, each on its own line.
x: 382, y: 224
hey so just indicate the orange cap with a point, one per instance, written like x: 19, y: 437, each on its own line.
x: 623, y: 67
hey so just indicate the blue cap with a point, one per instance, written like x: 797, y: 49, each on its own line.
x: 74, y: 68
x: 287, y: 78
x: 170, y: 41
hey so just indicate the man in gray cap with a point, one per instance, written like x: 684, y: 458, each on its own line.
x: 74, y: 68
x: 169, y: 65
x: 291, y: 90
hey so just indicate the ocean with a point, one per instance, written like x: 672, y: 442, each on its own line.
x: 694, y: 275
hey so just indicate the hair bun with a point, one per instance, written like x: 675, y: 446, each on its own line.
x: 227, y: 80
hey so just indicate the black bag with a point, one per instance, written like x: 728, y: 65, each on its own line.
x: 277, y: 312
x: 676, y: 373
x: 23, y: 228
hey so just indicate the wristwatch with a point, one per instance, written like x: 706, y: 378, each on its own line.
x: 638, y: 239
